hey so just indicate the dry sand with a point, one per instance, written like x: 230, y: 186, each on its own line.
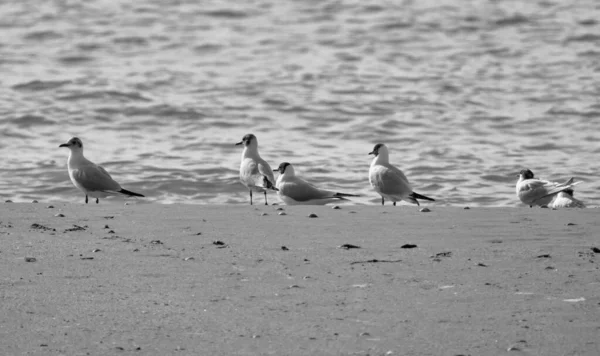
x: 480, y: 282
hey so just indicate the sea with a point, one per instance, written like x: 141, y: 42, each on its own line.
x: 465, y: 93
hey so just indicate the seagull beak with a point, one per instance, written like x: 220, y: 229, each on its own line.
x: 372, y: 153
x: 276, y: 170
x: 239, y: 143
x: 64, y: 145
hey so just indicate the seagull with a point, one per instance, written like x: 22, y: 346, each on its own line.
x: 565, y: 199
x: 388, y: 180
x: 92, y: 179
x: 296, y: 191
x: 533, y: 191
x: 255, y: 172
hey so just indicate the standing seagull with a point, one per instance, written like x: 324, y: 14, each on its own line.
x: 533, y: 191
x: 92, y: 179
x: 255, y: 172
x: 296, y: 191
x: 388, y: 180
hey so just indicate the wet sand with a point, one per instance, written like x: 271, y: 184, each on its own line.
x: 227, y: 280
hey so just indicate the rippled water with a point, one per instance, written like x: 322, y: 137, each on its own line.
x: 464, y: 93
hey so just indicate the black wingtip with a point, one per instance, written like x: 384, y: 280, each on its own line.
x: 267, y: 184
x: 124, y: 191
x: 339, y: 195
x: 419, y: 196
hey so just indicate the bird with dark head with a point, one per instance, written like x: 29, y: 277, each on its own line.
x: 533, y: 191
x: 389, y: 181
x: 294, y: 190
x: 91, y: 178
x: 255, y: 172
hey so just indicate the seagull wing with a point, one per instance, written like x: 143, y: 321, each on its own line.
x: 95, y: 178
x: 265, y: 170
x: 391, y: 181
x: 536, y: 189
x: 300, y: 190
x: 253, y: 173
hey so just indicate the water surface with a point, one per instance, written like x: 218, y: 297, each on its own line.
x: 464, y: 93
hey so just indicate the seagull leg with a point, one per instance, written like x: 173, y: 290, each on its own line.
x: 97, y: 200
x: 266, y: 198
x: 86, y: 199
x: 382, y: 200
x: 250, y: 196
x: 394, y: 203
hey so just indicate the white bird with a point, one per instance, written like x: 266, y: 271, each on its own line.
x: 296, y: 191
x: 255, y: 172
x: 533, y: 191
x: 92, y: 179
x: 565, y: 199
x: 388, y: 180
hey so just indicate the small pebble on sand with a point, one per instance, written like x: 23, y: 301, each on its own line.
x: 424, y: 210
x: 312, y: 215
x: 8, y: 201
x: 96, y: 250
x: 60, y: 215
x: 335, y: 207
x: 282, y: 213
x: 264, y: 214
x: 279, y: 209
x: 34, y: 201
x: 466, y: 208
x: 30, y: 259
x: 50, y: 207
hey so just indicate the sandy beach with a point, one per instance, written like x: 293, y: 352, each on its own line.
x: 243, y: 280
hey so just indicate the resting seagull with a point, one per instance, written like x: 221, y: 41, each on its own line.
x: 255, y: 172
x: 296, y: 191
x: 565, y: 199
x: 388, y: 180
x: 92, y: 179
x: 533, y: 191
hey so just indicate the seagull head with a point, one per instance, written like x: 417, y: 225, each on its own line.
x: 379, y: 148
x: 285, y: 167
x: 74, y: 144
x: 248, y: 140
x: 525, y: 174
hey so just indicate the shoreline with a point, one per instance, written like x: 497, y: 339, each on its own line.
x: 201, y: 279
